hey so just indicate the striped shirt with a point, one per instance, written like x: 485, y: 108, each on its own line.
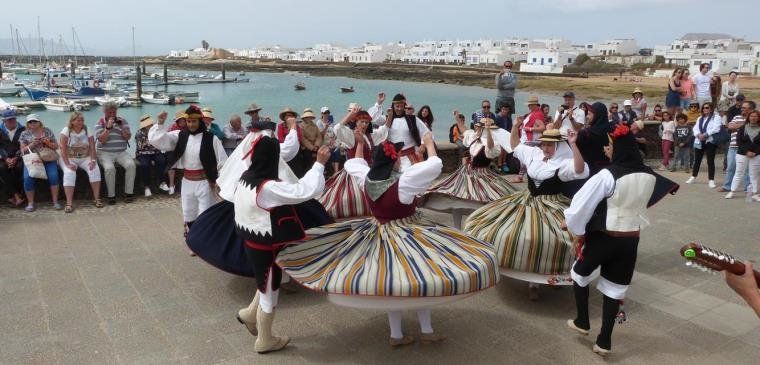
x: 739, y: 119
x: 115, y: 142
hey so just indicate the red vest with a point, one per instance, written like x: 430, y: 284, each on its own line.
x: 367, y: 151
x: 388, y: 206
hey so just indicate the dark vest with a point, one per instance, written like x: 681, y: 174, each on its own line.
x: 207, y: 154
x: 11, y: 146
x: 286, y: 227
x: 480, y: 160
x: 550, y: 186
x: 388, y: 206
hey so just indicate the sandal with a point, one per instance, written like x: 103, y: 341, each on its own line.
x: 68, y: 209
x: 98, y: 203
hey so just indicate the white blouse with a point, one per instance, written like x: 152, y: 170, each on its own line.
x: 476, y: 144
x: 415, y: 180
x: 160, y: 138
x: 540, y: 169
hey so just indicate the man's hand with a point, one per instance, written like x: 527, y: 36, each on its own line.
x: 380, y: 98
x: 162, y: 117
x: 427, y: 139
x: 323, y: 154
x: 11, y: 161
x: 358, y: 137
x: 572, y: 136
x: 291, y: 123
x: 744, y: 285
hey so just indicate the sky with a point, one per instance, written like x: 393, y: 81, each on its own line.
x: 105, y: 27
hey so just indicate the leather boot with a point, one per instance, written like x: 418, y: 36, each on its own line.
x: 247, y: 316
x: 265, y: 342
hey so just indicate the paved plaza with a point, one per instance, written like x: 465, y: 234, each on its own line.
x: 117, y: 286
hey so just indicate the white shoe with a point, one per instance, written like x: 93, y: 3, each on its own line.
x: 711, y: 184
x: 756, y: 198
x: 730, y: 195
x: 171, y: 190
x: 690, y: 179
x: 148, y: 192
x: 600, y: 351
x: 163, y: 187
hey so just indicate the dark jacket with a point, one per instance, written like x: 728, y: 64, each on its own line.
x: 8, y: 147
x: 746, y: 144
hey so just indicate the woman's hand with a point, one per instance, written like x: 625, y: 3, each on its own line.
x: 91, y: 165
x: 71, y: 166
x: 323, y: 154
x: 572, y: 136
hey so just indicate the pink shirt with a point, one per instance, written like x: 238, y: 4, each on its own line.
x: 686, y: 86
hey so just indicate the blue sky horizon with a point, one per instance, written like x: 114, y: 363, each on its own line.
x: 161, y: 26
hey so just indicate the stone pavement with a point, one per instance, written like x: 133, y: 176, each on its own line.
x: 117, y: 286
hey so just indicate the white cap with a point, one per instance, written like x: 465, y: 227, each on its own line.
x: 324, y: 109
x: 627, y: 103
x: 32, y: 117
x: 354, y: 105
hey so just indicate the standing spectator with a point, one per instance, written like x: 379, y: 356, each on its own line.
x: 233, y: 134
x: 715, y: 90
x: 728, y: 93
x: 746, y: 155
x: 639, y: 104
x: 112, y: 139
x: 180, y: 123
x: 702, y: 82
x: 675, y: 92
x: 683, y: 138
x: 506, y: 82
x: 733, y: 146
x: 208, y: 119
x: 456, y: 135
x: 148, y: 155
x: 687, y: 88
x: 568, y: 115
x: 311, y: 138
x: 547, y: 110
x: 11, y: 166
x: 484, y: 112
x: 736, y: 108
x: 707, y: 125
x: 37, y: 138
x: 253, y: 112
x: 78, y: 151
x: 426, y: 116
x: 668, y: 127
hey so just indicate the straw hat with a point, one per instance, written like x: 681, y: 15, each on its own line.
x: 180, y: 114
x: 287, y: 110
x: 637, y: 90
x: 253, y: 108
x: 486, y: 123
x: 551, y: 135
x: 533, y: 100
x: 146, y: 121
x: 208, y: 113
x: 307, y: 113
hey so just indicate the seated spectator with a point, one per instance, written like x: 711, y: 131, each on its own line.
x: 11, y: 165
x: 112, y: 135
x: 615, y: 116
x: 311, y: 138
x: 148, y: 155
x: 456, y: 134
x: 426, y: 116
x: 39, y: 139
x: 233, y: 134
x: 325, y: 125
x: 693, y: 114
x: 546, y: 109
x: 657, y: 114
x: 208, y: 119
x: 628, y: 115
x: 78, y: 152
x: 484, y: 112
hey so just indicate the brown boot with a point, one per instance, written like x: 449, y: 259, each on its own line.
x: 265, y: 342
x: 247, y: 316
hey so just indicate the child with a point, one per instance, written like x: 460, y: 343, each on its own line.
x: 683, y: 137
x: 668, y: 126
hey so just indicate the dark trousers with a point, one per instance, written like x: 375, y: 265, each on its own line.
x: 709, y: 150
x: 144, y: 162
x: 263, y: 260
x: 11, y: 178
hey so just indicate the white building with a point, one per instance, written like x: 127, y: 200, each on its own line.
x: 548, y: 60
x: 722, y: 51
x: 617, y: 47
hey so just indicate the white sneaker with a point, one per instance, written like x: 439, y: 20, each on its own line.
x: 690, y: 179
x: 711, y: 184
x: 171, y: 190
x: 163, y: 187
x: 148, y: 192
x: 730, y: 195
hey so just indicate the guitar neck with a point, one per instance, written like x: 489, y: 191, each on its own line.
x: 737, y: 268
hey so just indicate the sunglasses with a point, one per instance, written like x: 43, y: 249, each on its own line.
x: 706, y: 108
x: 486, y: 107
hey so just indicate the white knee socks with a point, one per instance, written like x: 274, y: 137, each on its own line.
x: 423, y: 316
x: 394, y: 320
x: 268, y: 300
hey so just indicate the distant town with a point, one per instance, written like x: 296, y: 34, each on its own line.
x: 724, y: 52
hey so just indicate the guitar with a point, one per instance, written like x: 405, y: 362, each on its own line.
x: 707, y: 258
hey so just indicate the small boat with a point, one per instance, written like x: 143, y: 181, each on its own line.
x: 155, y: 98
x: 185, y: 82
x: 11, y: 88
x: 60, y: 104
x: 120, y: 101
x: 185, y: 96
x: 347, y: 89
x: 300, y: 86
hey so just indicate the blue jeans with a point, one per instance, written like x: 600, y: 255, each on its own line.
x: 51, y: 169
x: 731, y: 170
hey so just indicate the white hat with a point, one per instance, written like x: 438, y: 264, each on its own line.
x: 627, y: 103
x: 32, y: 117
x: 324, y: 109
x: 353, y: 105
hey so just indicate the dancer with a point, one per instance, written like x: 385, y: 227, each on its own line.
x: 199, y: 154
x: 395, y: 260
x: 525, y: 226
x: 266, y: 219
x: 407, y: 129
x: 473, y: 184
x: 606, y: 215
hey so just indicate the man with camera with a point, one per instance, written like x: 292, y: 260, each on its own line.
x: 112, y: 136
x: 568, y: 115
x: 506, y: 82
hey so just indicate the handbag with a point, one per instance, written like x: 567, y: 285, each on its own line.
x: 722, y: 136
x: 47, y: 154
x: 34, y: 165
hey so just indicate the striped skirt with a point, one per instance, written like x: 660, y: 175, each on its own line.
x: 343, y: 198
x: 526, y: 232
x: 407, y: 258
x: 478, y: 184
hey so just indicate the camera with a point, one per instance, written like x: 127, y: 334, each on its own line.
x: 563, y: 107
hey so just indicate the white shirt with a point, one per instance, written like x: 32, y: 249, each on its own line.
x: 713, y: 126
x: 702, y: 85
x: 415, y: 180
x: 12, y: 133
x: 76, y: 138
x: 190, y: 160
x: 376, y: 112
x: 540, y: 170
x: 476, y: 144
x: 345, y: 135
x: 585, y: 201
x: 277, y: 193
x: 400, y: 132
x: 578, y: 114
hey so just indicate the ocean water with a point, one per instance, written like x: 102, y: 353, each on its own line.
x: 275, y: 91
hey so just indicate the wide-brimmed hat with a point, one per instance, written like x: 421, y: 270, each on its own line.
x: 180, y: 114
x: 307, y: 113
x: 639, y: 123
x: 287, y: 110
x: 533, y: 99
x: 146, y: 121
x: 253, y: 108
x: 9, y: 114
x: 551, y: 135
x: 637, y: 90
x: 33, y: 118
x: 486, y: 123
x: 208, y: 113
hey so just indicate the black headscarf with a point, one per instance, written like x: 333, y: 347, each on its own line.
x: 600, y: 125
x: 265, y: 162
x: 384, y: 157
x: 625, y: 151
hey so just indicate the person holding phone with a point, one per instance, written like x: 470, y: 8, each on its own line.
x: 112, y: 136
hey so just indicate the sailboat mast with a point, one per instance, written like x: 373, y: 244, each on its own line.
x: 134, y: 57
x: 39, y: 38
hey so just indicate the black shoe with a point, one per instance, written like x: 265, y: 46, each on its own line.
x: 129, y: 198
x: 111, y: 200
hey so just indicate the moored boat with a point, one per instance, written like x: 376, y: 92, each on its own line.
x: 61, y: 104
x: 347, y: 89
